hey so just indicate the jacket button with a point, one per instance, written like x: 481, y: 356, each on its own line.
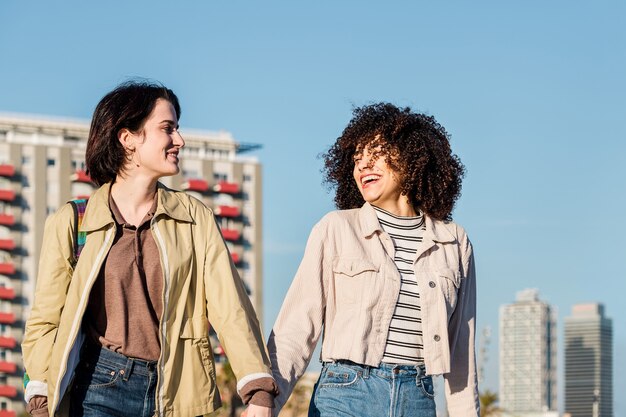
x: 432, y: 284
x: 437, y: 338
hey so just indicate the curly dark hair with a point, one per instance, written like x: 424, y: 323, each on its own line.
x: 416, y: 147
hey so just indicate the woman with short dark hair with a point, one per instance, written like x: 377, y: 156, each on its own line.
x: 387, y: 279
x: 124, y: 329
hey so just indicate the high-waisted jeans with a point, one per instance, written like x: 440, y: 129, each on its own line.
x: 346, y: 389
x: 110, y: 384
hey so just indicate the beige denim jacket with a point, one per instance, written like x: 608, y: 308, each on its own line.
x: 347, y: 285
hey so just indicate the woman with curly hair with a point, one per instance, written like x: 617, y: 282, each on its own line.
x: 387, y: 278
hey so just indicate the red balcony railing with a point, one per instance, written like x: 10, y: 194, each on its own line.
x: 8, y: 391
x: 197, y: 185
x: 226, y: 187
x: 7, y: 268
x: 7, y: 367
x: 235, y: 257
x: 7, y: 318
x: 7, y: 170
x: 81, y: 176
x: 231, y: 235
x: 7, y: 293
x: 7, y: 244
x: 227, y: 211
x: 7, y: 342
x: 7, y: 195
x: 7, y: 219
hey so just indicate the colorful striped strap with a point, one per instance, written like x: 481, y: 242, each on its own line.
x: 79, y: 241
x: 80, y: 236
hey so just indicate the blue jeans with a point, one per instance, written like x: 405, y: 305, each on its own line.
x: 346, y: 389
x: 110, y: 384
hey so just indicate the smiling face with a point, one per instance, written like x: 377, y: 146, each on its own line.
x: 378, y: 182
x: 157, y: 146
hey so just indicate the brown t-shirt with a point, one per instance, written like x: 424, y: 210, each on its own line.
x: 126, y: 301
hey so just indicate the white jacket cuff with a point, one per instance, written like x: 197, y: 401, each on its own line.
x: 35, y: 388
x: 248, y: 378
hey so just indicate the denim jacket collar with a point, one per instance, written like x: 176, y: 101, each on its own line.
x: 436, y: 231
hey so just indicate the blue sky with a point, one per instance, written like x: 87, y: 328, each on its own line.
x: 533, y: 95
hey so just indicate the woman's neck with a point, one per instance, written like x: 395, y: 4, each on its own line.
x: 133, y: 197
x: 400, y: 207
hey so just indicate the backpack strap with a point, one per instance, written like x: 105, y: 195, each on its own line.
x: 79, y: 236
x: 79, y: 241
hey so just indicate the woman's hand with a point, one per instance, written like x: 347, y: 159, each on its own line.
x: 257, y: 411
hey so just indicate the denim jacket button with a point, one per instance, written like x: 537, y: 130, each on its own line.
x: 432, y: 284
x: 437, y: 338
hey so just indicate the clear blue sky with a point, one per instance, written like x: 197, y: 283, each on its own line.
x: 533, y: 94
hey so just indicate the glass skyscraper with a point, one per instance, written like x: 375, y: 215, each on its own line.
x: 588, y: 362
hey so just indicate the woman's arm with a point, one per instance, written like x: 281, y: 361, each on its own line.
x: 461, y: 382
x: 299, y: 324
x: 53, y: 279
x: 232, y: 314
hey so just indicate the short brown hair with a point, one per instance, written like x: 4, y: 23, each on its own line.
x: 126, y: 107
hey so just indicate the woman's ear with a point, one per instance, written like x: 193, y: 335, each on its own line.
x: 127, y: 139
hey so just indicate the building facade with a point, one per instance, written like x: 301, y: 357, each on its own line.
x: 588, y: 362
x: 528, y: 356
x: 42, y: 167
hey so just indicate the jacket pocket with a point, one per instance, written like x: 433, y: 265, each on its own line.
x: 195, y: 332
x: 195, y: 328
x: 451, y: 275
x: 450, y: 281
x: 351, y: 277
x: 353, y: 267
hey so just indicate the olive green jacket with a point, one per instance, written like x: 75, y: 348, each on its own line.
x: 200, y: 285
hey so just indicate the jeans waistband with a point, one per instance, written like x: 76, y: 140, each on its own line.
x: 99, y: 354
x: 385, y: 369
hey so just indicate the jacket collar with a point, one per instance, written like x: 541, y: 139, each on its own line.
x: 436, y: 231
x: 98, y: 213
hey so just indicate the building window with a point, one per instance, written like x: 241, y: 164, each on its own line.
x: 51, y: 162
x: 25, y: 160
x: 190, y: 173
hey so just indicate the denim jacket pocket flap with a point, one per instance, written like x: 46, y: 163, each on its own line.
x: 195, y: 328
x: 353, y: 267
x: 451, y: 275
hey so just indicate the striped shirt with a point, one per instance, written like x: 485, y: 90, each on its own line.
x: 404, y: 340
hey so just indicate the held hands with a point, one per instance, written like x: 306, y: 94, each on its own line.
x: 257, y: 411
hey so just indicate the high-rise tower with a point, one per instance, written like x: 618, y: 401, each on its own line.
x: 527, y: 355
x: 588, y: 362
